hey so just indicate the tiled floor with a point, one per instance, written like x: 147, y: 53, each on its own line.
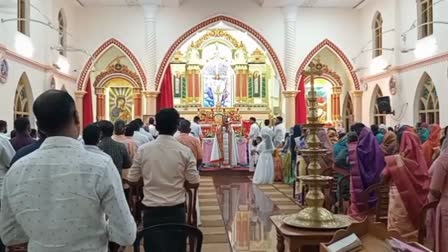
x: 235, y: 213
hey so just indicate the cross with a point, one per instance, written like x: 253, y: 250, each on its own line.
x: 218, y: 100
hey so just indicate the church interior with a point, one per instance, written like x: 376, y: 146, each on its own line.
x: 237, y: 67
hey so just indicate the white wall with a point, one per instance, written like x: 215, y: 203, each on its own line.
x: 400, y: 15
x: 41, y: 38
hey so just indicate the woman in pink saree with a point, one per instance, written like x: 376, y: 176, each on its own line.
x: 439, y: 191
x: 366, y: 165
x: 408, y: 176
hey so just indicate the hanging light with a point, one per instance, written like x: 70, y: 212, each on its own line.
x: 24, y: 45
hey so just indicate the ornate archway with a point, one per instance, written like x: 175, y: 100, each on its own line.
x: 326, y: 43
x: 207, y: 23
x: 119, y: 64
x: 328, y: 48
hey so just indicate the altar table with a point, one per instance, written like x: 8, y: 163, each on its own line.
x: 207, y: 145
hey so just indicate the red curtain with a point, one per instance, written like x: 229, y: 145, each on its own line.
x: 87, y: 106
x: 301, y: 109
x: 166, y: 96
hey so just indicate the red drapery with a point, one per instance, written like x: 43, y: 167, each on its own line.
x: 87, y: 106
x: 301, y: 108
x: 165, y: 98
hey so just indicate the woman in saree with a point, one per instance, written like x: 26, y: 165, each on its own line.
x: 409, y: 185
x: 431, y: 148
x: 326, y: 161
x: 423, y: 131
x: 290, y: 158
x: 443, y: 140
x: 390, y: 144
x: 341, y: 159
x: 366, y: 165
x: 333, y: 135
x: 439, y: 192
x: 286, y: 158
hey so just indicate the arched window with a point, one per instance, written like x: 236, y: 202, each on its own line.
x: 349, y: 114
x: 378, y: 118
x: 23, y: 16
x: 377, y: 40
x: 23, y: 98
x: 424, y: 18
x: 428, y: 103
x: 62, y: 33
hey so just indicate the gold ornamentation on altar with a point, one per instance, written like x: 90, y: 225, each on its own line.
x: 178, y: 57
x: 216, y: 33
x: 314, y: 215
x: 257, y: 57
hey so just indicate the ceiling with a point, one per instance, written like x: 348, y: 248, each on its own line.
x: 344, y: 4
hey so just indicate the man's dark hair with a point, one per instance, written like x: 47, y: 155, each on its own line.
x: 280, y: 118
x: 267, y: 122
x: 390, y: 129
x: 253, y: 119
x: 185, y: 126
x: 22, y: 125
x: 196, y: 119
x: 119, y: 127
x: 167, y: 121
x: 33, y: 133
x: 375, y: 129
x: 357, y: 128
x: 106, y: 127
x: 129, y: 130
x: 151, y: 120
x: 3, y: 126
x: 54, y: 110
x: 139, y: 122
x: 91, y: 134
x: 13, y: 133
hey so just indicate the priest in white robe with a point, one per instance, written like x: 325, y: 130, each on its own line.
x: 225, y: 148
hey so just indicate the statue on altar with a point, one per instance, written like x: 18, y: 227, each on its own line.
x: 225, y: 149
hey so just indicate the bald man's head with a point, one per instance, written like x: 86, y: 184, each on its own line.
x: 56, y: 113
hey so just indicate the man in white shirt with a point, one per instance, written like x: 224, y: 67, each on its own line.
x: 139, y: 138
x: 254, y: 131
x: 152, y: 127
x: 166, y: 167
x: 279, y: 132
x: 196, y: 128
x: 58, y: 197
x: 142, y: 130
x: 6, y: 154
x: 3, y: 130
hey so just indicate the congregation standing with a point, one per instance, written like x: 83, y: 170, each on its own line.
x: 85, y: 207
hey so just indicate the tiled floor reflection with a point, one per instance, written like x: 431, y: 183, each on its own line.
x: 246, y: 209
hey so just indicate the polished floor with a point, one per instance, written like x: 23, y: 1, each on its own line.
x: 235, y: 213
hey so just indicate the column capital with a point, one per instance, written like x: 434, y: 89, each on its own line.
x: 152, y: 94
x: 290, y: 12
x: 290, y: 93
x: 357, y: 93
x: 80, y: 94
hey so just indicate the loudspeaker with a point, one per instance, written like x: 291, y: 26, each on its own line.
x: 383, y: 104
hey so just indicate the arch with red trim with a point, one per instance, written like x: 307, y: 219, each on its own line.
x: 205, y: 24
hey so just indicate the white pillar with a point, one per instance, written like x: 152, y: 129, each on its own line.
x: 290, y: 13
x: 150, y: 15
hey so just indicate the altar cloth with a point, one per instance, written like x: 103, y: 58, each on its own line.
x: 207, y: 144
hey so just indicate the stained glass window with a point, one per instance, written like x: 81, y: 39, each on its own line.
x: 424, y: 18
x: 377, y: 40
x: 22, y: 101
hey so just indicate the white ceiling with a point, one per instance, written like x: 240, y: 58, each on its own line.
x: 346, y: 4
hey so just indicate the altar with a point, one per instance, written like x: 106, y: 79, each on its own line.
x: 242, y: 143
x: 211, y: 119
